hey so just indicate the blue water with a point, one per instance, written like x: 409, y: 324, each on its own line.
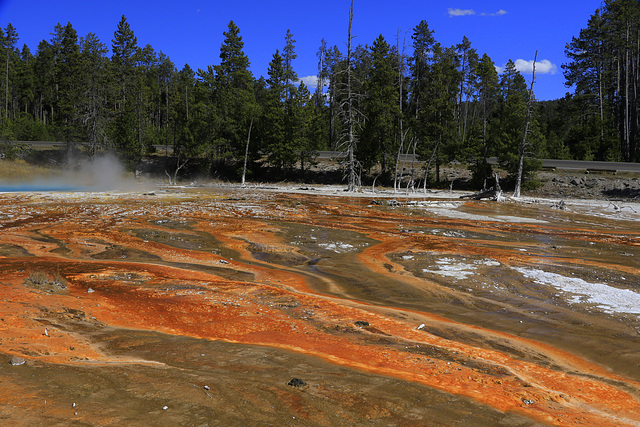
x: 38, y: 188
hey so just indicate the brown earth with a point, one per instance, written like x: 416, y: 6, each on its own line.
x: 199, y: 306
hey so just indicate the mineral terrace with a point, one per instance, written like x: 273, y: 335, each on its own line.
x: 202, y: 306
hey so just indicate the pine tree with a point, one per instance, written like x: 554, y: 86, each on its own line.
x: 310, y: 127
x: 435, y: 120
x: 185, y: 118
x: 377, y: 141
x: 420, y: 63
x: 124, y: 48
x: 166, y: 75
x: 288, y: 55
x: 44, y: 83
x: 334, y: 67
x: 480, y: 147
x: 468, y: 61
x: 511, y: 116
x: 68, y: 70
x: 280, y: 149
x: 604, y: 70
x: 125, y: 131
x: 8, y: 40
x: 234, y: 94
x: 93, y: 99
x: 26, y: 82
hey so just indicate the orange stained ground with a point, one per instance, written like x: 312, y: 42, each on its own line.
x: 129, y: 262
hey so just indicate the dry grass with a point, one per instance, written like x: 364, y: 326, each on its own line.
x: 45, y: 282
x: 20, y: 170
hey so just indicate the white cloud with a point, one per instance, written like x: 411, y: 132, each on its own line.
x: 311, y: 82
x: 461, y: 12
x: 498, y: 13
x: 542, y: 67
x: 468, y: 12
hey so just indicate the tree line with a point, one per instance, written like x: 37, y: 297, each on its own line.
x: 411, y: 95
x: 604, y: 68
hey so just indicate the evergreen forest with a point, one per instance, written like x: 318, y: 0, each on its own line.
x: 411, y: 95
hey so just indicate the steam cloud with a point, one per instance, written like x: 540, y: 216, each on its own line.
x: 101, y: 173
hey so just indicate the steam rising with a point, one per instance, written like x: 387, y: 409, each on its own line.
x: 103, y: 173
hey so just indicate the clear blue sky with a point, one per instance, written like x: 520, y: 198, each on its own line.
x: 190, y: 31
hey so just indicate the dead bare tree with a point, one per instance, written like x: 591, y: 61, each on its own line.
x: 246, y: 153
x: 401, y: 64
x: 353, y: 180
x: 523, y: 143
x: 426, y: 173
x: 349, y: 112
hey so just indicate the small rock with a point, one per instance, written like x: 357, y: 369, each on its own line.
x: 527, y: 401
x: 577, y: 181
x: 15, y: 361
x: 46, y: 332
x: 207, y: 387
x: 296, y: 382
x: 422, y: 325
x: 224, y: 261
x: 89, y: 291
x: 361, y: 323
x: 164, y: 408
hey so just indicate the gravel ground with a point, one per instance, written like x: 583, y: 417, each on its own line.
x: 575, y: 185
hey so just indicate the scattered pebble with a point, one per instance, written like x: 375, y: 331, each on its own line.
x: 16, y: 361
x: 422, y: 325
x: 297, y: 382
x: 89, y: 291
x: 164, y: 408
x: 207, y: 387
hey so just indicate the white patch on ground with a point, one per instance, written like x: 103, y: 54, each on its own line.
x: 338, y: 247
x: 450, y: 210
x: 519, y: 219
x: 450, y: 267
x: 455, y: 214
x: 488, y: 262
x: 608, y: 298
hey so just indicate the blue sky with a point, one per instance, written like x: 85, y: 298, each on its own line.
x: 190, y: 31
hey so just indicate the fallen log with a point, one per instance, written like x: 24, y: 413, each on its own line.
x: 486, y: 194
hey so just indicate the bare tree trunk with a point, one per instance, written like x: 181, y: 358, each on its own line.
x: 400, y: 82
x: 426, y: 172
x: 523, y: 144
x: 6, y: 93
x: 246, y: 153
x: 414, y: 143
x: 395, y: 174
x: 627, y: 130
x: 351, y: 165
